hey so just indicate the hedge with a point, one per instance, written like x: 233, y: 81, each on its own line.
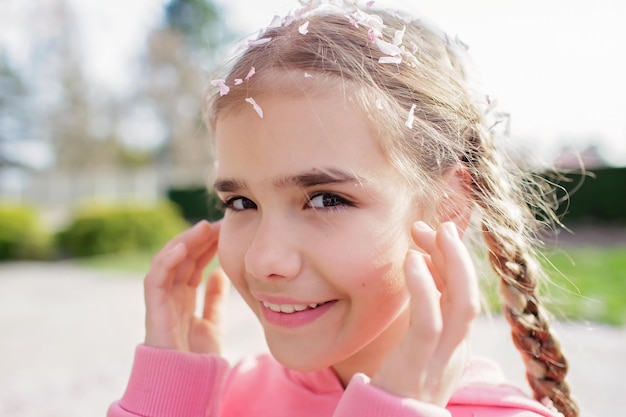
x: 196, y: 203
x: 21, y: 235
x: 108, y: 229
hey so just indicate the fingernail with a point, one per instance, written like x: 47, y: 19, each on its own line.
x: 420, y: 225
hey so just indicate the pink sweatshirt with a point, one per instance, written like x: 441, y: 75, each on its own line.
x: 177, y: 384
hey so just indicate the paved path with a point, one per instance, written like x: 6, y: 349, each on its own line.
x: 67, y: 337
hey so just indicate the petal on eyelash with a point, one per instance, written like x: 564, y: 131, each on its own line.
x: 390, y: 60
x: 250, y: 73
x: 238, y: 81
x: 304, y: 28
x: 398, y: 36
x: 387, y: 48
x: 259, y: 42
x: 224, y: 89
x: 255, y: 106
x: 411, y: 118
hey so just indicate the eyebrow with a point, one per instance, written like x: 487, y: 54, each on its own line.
x: 303, y: 180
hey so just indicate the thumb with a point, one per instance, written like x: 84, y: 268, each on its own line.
x: 215, y: 296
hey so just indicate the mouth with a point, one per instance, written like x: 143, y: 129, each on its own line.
x: 292, y: 308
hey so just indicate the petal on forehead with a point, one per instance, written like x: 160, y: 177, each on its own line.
x: 255, y: 106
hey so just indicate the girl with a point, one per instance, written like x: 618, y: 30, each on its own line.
x: 351, y: 160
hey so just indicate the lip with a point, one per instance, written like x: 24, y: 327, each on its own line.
x: 295, y: 319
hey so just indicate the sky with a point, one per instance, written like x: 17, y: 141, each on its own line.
x: 556, y: 66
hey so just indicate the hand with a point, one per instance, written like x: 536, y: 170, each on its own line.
x: 444, y: 302
x: 170, y: 293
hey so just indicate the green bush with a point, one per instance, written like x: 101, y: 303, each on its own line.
x: 196, y: 203
x: 21, y: 236
x: 106, y: 229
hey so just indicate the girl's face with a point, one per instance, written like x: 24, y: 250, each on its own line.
x: 316, y: 230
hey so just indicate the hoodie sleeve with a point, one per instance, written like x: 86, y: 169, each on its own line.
x: 171, y: 383
x: 364, y: 400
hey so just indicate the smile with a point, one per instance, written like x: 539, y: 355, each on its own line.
x: 291, y: 308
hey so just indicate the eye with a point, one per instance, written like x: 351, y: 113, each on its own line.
x: 239, y: 204
x: 327, y: 201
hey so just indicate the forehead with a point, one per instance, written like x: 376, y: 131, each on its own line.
x: 309, y: 130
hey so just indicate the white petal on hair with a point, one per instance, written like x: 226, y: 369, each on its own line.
x: 304, y: 28
x: 250, y: 73
x: 255, y: 106
x: 258, y: 42
x: 237, y: 81
x: 351, y: 21
x: 379, y: 104
x: 224, y: 89
x: 390, y: 60
x: 397, y: 38
x: 370, y: 3
x: 277, y: 21
x: 411, y: 118
x: 387, y: 48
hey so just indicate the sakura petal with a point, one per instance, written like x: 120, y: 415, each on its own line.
x: 390, y: 60
x: 238, y: 81
x: 370, y: 3
x: 387, y: 48
x: 250, y: 73
x: 379, y: 104
x: 276, y: 22
x: 372, y: 35
x: 224, y: 89
x: 259, y: 42
x: 307, y: 75
x: 399, y: 34
x: 255, y: 106
x: 413, y: 48
x: 411, y: 118
x: 304, y: 28
x: 352, y: 21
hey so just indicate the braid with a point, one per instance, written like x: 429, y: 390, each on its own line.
x: 507, y: 231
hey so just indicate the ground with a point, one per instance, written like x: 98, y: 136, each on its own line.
x: 68, y: 335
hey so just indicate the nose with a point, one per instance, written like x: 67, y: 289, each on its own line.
x: 274, y: 252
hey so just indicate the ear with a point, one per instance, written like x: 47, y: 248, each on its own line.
x: 456, y: 204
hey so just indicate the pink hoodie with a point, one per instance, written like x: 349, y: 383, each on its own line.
x: 177, y: 384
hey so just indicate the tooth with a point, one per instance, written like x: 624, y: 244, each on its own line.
x: 274, y: 307
x: 299, y: 307
x: 313, y: 305
x: 287, y: 308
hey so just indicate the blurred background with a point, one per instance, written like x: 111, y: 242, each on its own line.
x: 104, y: 156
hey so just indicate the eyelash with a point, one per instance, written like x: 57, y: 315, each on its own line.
x: 340, y: 202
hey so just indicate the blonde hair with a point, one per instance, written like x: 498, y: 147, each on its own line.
x: 409, y: 80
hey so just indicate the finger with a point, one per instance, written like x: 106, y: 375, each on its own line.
x: 201, y: 264
x: 215, y: 296
x: 425, y: 315
x: 191, y: 236
x: 202, y: 243
x: 460, y: 300
x: 164, y: 267
x: 423, y: 236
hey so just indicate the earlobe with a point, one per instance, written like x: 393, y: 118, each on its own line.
x: 456, y: 204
